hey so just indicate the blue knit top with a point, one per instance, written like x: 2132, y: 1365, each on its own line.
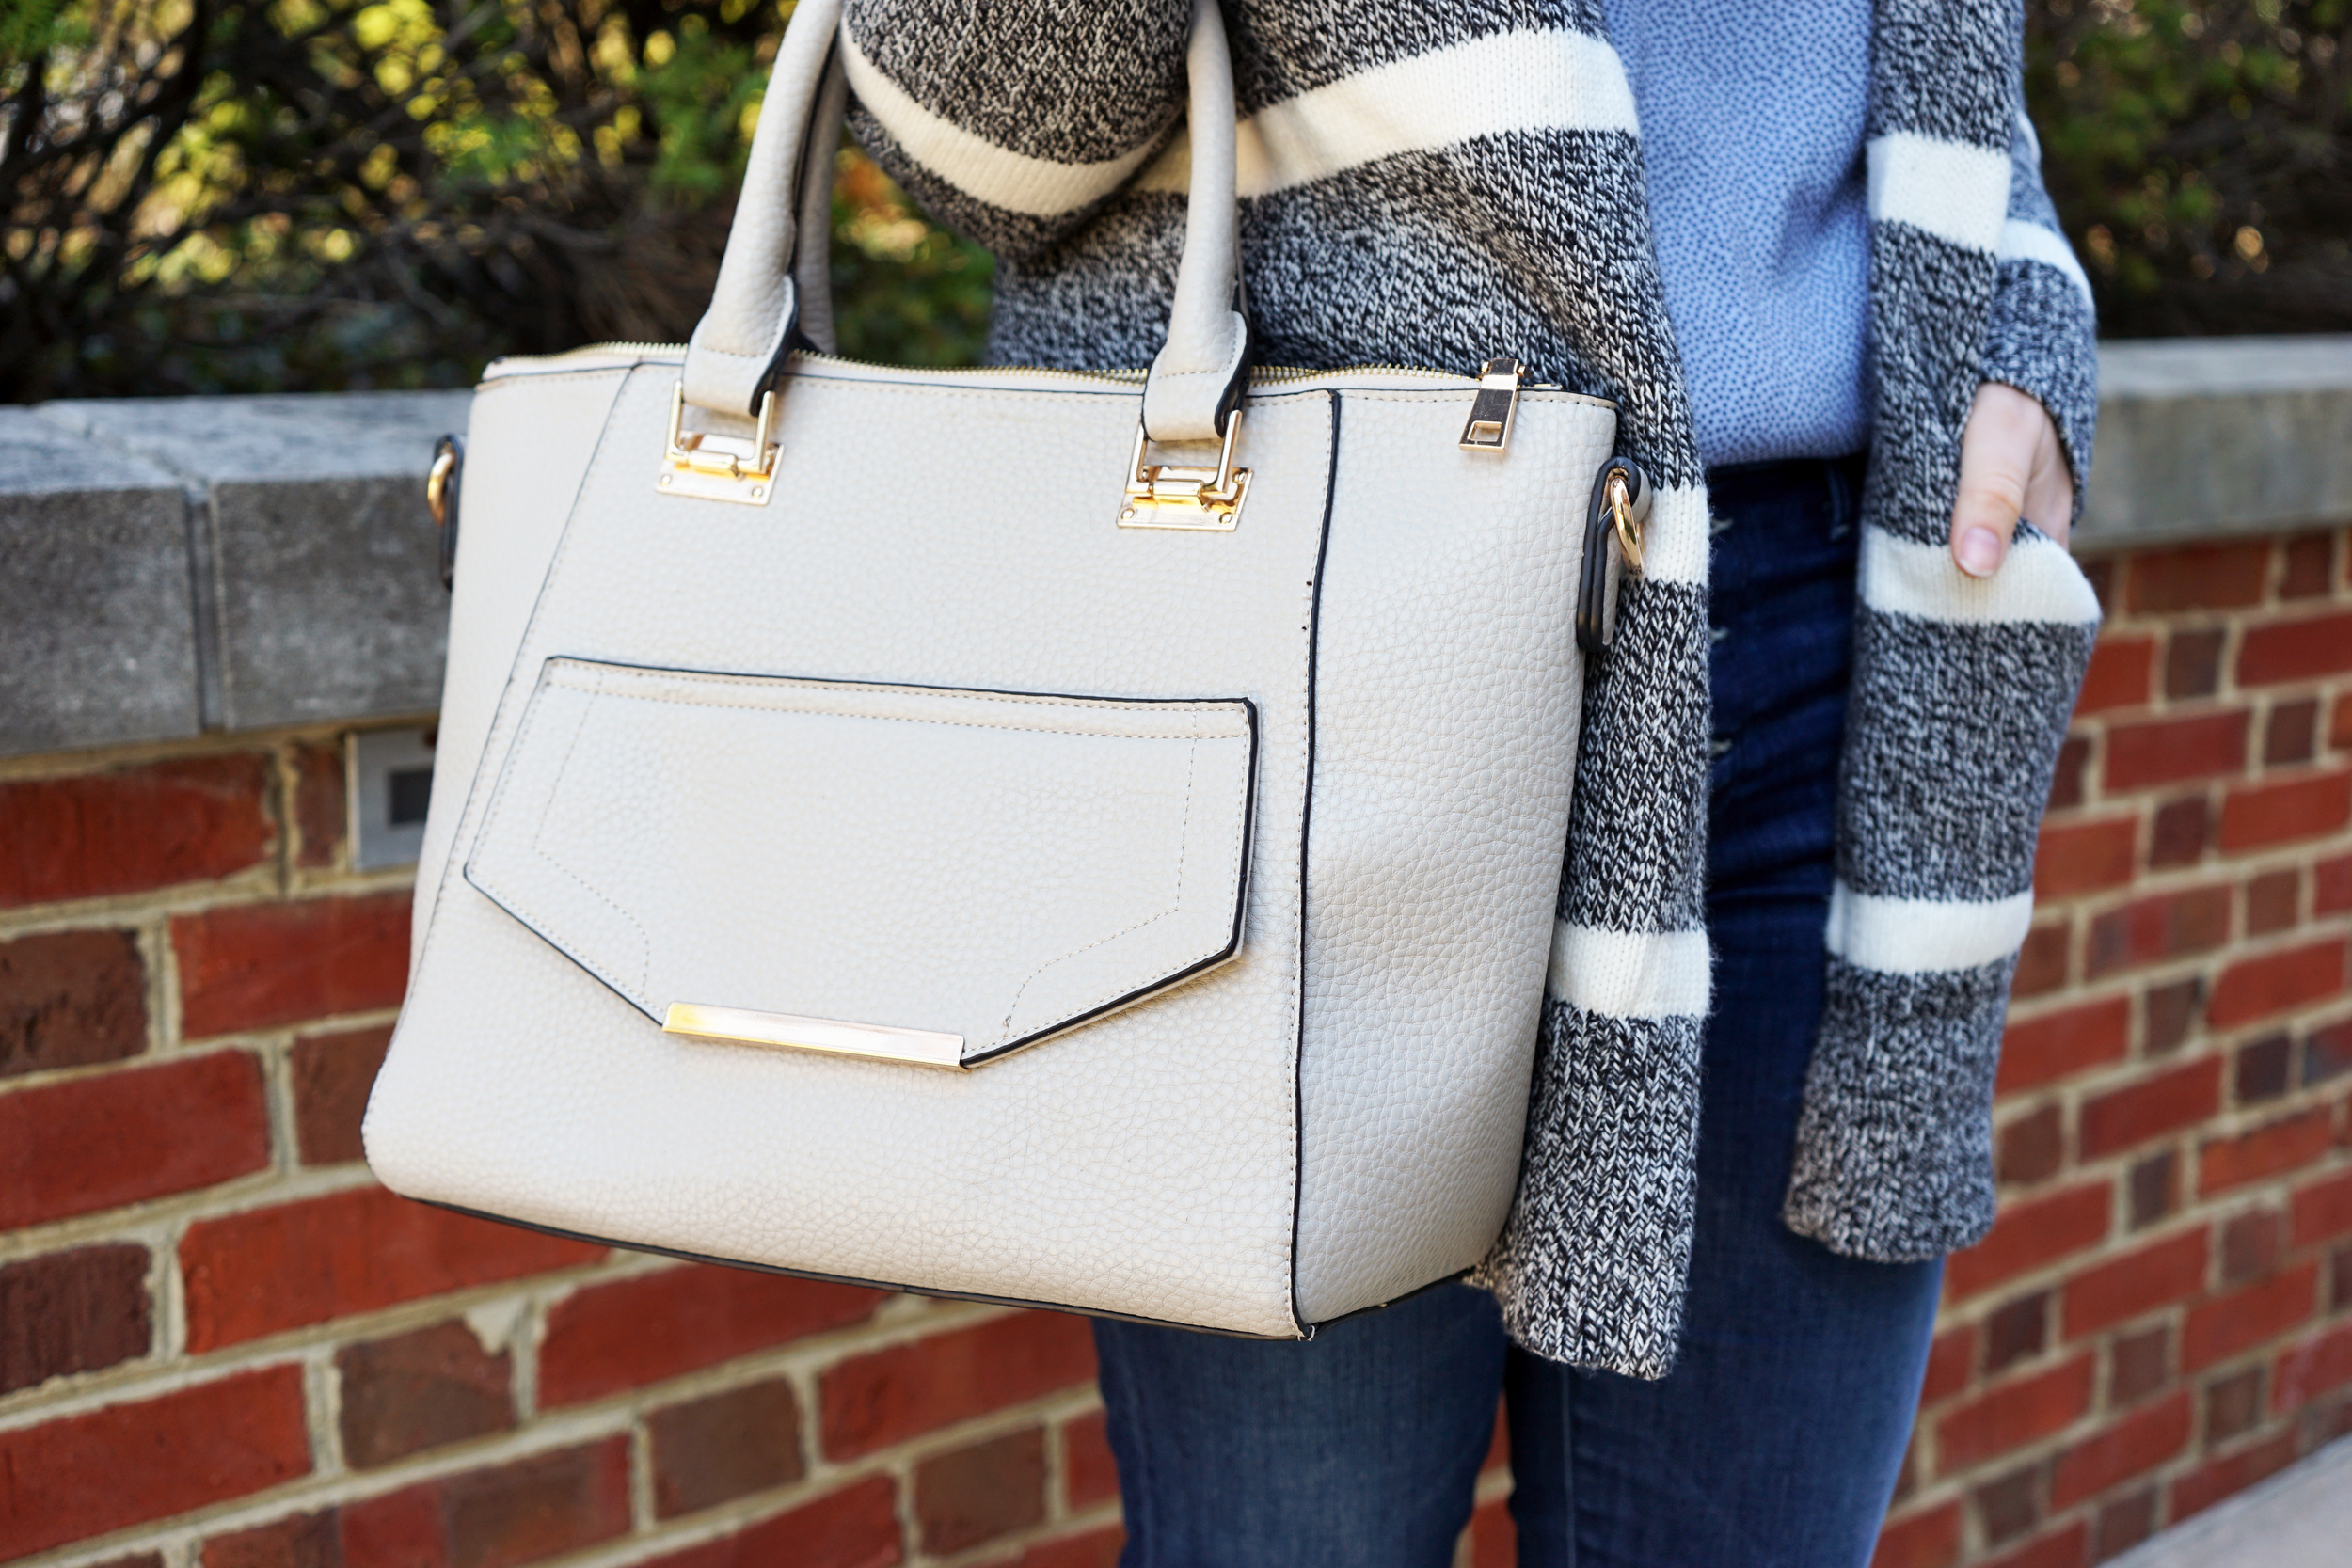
x: 1752, y: 129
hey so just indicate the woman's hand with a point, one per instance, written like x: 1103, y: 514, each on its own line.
x: 2011, y: 465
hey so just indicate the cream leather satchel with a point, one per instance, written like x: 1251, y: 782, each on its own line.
x: 1087, y: 840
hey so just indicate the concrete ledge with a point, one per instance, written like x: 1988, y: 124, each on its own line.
x: 180, y: 565
x: 2299, y: 1518
x: 2205, y: 437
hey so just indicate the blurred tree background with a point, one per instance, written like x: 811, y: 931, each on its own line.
x: 278, y: 195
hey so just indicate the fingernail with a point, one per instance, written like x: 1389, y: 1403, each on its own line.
x: 1979, y: 552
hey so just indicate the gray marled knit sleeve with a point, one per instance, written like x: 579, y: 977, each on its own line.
x: 1043, y: 108
x: 1961, y: 688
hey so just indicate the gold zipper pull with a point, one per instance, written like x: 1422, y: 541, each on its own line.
x: 1495, y: 405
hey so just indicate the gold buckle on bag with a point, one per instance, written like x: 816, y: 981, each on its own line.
x: 1167, y: 495
x: 719, y: 467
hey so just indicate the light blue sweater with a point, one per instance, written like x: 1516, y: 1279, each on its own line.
x: 1752, y: 129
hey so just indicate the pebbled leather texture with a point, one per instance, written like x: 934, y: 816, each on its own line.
x: 965, y: 862
x: 1188, y: 1159
x: 1447, y: 688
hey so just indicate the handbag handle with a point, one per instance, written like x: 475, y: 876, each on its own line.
x: 772, y: 290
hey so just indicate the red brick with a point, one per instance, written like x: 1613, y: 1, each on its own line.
x: 396, y: 1529
x: 870, y: 1401
x: 2083, y: 857
x: 2066, y: 779
x: 2331, y: 886
x: 193, y: 820
x: 2192, y: 663
x: 2250, y: 1245
x: 2152, y: 1188
x: 2340, y: 722
x: 2122, y: 1288
x: 2276, y: 983
x: 2138, y: 1365
x: 2028, y: 1235
x: 537, y: 1507
x: 724, y: 1446
x: 2284, y: 1145
x: 2234, y: 1407
x: 2132, y: 1446
x: 2054, y: 1046
x: 1089, y: 1470
x: 2222, y: 1327
x: 2263, y: 1070
x: 73, y: 1312
x: 2120, y: 675
x: 332, y: 1075
x: 2199, y: 576
x: 2159, y: 1103
x: 273, y: 1269
x: 2309, y: 568
x: 70, y: 999
x: 420, y: 1390
x: 2166, y: 750
x: 1930, y: 1540
x: 2273, y: 902
x: 2064, y: 1548
x: 121, y: 1137
x: 854, y: 1528
x: 2254, y: 817
x: 2164, y: 925
x: 2169, y: 1011
x: 2201, y: 1489
x: 254, y: 966
x: 299, y: 1540
x: 2313, y: 1367
x: 2291, y: 734
x: 320, y: 804
x: 2295, y: 650
x: 2323, y: 1210
x: 968, y: 1496
x: 2013, y: 1415
x: 2179, y: 835
x: 2327, y: 1053
x: 2042, y: 963
x: 2031, y: 1149
x: 606, y: 1337
x: 126, y: 1463
x: 1100, y: 1548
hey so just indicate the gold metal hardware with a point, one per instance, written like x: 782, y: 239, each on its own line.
x: 829, y: 1037
x: 1496, y: 407
x: 719, y: 467
x: 1164, y: 495
x: 437, y: 485
x: 1628, y: 531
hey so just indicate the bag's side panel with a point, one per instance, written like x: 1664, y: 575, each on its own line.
x: 528, y: 443
x: 1145, y: 1165
x: 1447, y: 691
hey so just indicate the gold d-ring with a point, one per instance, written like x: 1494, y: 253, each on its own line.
x: 1621, y: 513
x: 437, y: 485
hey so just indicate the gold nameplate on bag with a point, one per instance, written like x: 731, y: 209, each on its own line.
x: 715, y: 468
x: 785, y: 1032
x: 1163, y: 495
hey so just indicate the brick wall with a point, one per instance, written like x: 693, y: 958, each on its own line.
x: 2163, y: 1313
x: 221, y: 1346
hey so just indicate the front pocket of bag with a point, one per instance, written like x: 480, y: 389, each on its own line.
x: 996, y: 867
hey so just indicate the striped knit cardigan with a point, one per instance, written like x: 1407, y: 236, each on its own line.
x: 1434, y: 185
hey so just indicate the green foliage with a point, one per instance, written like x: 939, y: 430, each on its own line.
x: 258, y: 194
x: 2201, y: 158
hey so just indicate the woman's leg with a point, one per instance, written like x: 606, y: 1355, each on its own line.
x: 1775, y: 1441
x: 1358, y: 1448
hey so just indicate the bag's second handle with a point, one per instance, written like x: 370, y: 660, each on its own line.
x: 770, y: 287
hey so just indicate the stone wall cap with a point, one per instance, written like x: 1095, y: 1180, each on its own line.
x: 38, y: 458
x: 281, y: 435
x: 2224, y: 367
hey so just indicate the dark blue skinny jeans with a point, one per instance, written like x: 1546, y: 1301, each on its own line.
x: 1775, y: 1441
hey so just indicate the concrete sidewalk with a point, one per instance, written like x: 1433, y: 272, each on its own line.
x: 2299, y: 1518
